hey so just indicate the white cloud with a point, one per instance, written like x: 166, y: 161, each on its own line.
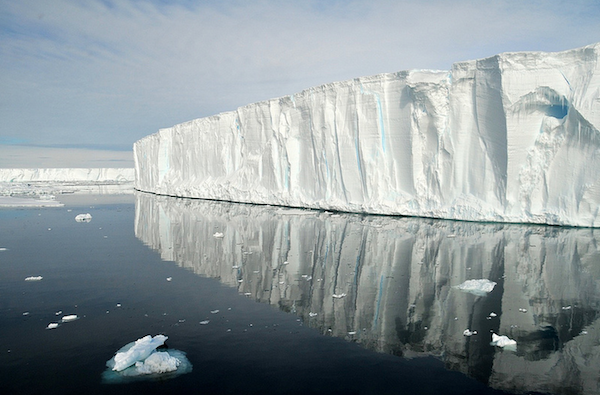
x: 87, y: 72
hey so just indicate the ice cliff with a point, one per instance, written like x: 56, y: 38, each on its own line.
x: 510, y: 138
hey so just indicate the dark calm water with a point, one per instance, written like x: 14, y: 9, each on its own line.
x: 308, y: 302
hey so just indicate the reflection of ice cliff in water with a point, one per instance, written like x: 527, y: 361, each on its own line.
x: 387, y: 283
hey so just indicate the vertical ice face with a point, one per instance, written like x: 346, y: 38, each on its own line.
x: 513, y: 138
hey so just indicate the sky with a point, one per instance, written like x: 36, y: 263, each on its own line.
x: 81, y: 81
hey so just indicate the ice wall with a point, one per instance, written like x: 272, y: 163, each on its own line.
x: 511, y: 138
x: 389, y: 283
x: 67, y: 174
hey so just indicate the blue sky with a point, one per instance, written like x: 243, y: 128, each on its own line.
x: 101, y: 74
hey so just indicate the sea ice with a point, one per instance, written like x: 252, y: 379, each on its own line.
x: 140, y: 359
x: 136, y: 351
x: 477, y: 287
x: 504, y: 342
x: 83, y: 217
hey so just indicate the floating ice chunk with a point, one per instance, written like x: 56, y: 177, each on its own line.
x: 83, y: 217
x: 469, y: 333
x: 477, y: 287
x: 504, y: 342
x: 157, y: 364
x: 33, y: 278
x: 218, y: 235
x: 338, y: 296
x: 69, y: 318
x: 136, y: 351
x: 52, y: 325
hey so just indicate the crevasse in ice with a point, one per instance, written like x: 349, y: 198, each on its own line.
x: 510, y: 138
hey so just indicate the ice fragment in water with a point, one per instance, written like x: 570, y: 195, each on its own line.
x: 477, y: 287
x: 137, y: 351
x: 467, y: 332
x: 504, y: 342
x: 142, y: 360
x: 83, y: 217
x: 33, y: 278
x: 52, y: 325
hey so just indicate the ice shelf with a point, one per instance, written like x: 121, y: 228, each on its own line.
x: 510, y: 138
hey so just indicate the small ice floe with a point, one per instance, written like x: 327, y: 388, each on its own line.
x: 205, y: 322
x: 52, y: 325
x: 218, y: 235
x: 169, y: 278
x: 477, y: 287
x: 469, y: 333
x: 83, y: 217
x: 503, y: 342
x: 142, y: 360
x: 33, y: 278
x: 69, y: 318
x: 338, y: 296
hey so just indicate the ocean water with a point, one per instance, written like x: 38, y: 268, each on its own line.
x: 266, y: 300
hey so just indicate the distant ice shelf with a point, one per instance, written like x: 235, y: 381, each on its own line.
x: 39, y: 187
x: 510, y: 138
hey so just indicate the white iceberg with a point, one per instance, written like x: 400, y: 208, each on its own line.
x: 503, y: 342
x: 477, y: 287
x: 137, y: 351
x: 83, y: 217
x: 140, y: 359
x: 510, y: 138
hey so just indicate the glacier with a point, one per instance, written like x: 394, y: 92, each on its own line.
x: 510, y: 138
